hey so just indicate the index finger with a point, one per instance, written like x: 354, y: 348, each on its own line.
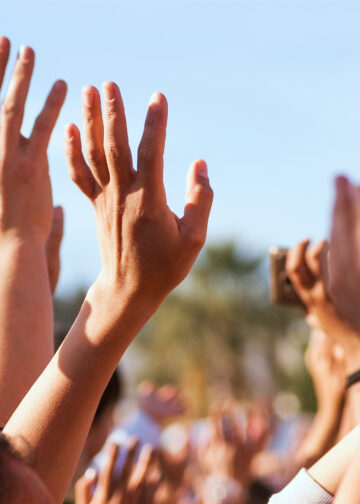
x: 151, y: 147
x: 12, y: 110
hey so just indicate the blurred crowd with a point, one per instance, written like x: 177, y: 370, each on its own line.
x: 70, y: 431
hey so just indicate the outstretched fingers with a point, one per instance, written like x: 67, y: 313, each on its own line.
x: 198, y: 201
x: 79, y: 171
x: 47, y: 118
x: 152, y: 145
x: 12, y: 110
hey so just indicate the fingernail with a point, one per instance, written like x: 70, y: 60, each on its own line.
x: 4, y: 43
x: 87, y: 96
x: 108, y: 91
x: 201, y: 168
x: 59, y: 85
x: 90, y: 473
x: 57, y: 213
x: 25, y: 53
x: 155, y: 100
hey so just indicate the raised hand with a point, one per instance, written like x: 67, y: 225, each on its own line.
x: 345, y: 252
x: 308, y: 270
x: 137, y: 483
x: 24, y: 169
x: 146, y: 249
x: 161, y: 404
x: 26, y: 326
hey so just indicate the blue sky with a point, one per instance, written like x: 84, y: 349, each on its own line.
x: 268, y: 92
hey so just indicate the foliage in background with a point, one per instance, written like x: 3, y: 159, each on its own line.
x: 219, y: 335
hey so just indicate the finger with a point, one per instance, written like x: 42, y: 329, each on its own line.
x: 297, y: 269
x: 79, y: 171
x: 103, y: 488
x: 116, y: 143
x: 151, y: 147
x: 12, y: 110
x: 47, y: 118
x: 94, y: 134
x: 53, y: 247
x: 150, y: 489
x: 198, y: 201
x: 315, y: 257
x: 83, y: 487
x: 132, y: 448
x: 343, y: 219
x: 146, y: 460
x: 4, y: 57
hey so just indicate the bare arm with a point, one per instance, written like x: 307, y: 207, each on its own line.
x: 325, y: 363
x: 26, y: 325
x: 146, y: 251
x: 308, y: 268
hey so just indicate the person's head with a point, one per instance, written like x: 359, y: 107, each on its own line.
x: 18, y: 482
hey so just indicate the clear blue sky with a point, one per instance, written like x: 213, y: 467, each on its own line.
x: 268, y: 92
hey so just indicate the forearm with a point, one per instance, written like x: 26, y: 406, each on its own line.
x: 349, y: 488
x: 321, y: 435
x: 330, y: 469
x: 55, y: 416
x: 26, y: 319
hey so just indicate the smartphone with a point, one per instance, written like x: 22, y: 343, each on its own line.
x: 282, y: 290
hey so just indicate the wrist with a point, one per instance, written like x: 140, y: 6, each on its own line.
x: 330, y: 412
x: 118, y: 313
x: 18, y: 238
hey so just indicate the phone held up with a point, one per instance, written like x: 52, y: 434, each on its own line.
x: 282, y: 290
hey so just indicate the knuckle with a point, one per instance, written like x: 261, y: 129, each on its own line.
x: 147, y: 155
x: 110, y: 112
x: 93, y: 155
x: 203, y: 192
x: 10, y: 108
x: 113, y: 152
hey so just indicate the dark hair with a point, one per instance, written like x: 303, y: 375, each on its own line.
x: 114, y: 392
x: 7, y: 484
x: 259, y: 492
